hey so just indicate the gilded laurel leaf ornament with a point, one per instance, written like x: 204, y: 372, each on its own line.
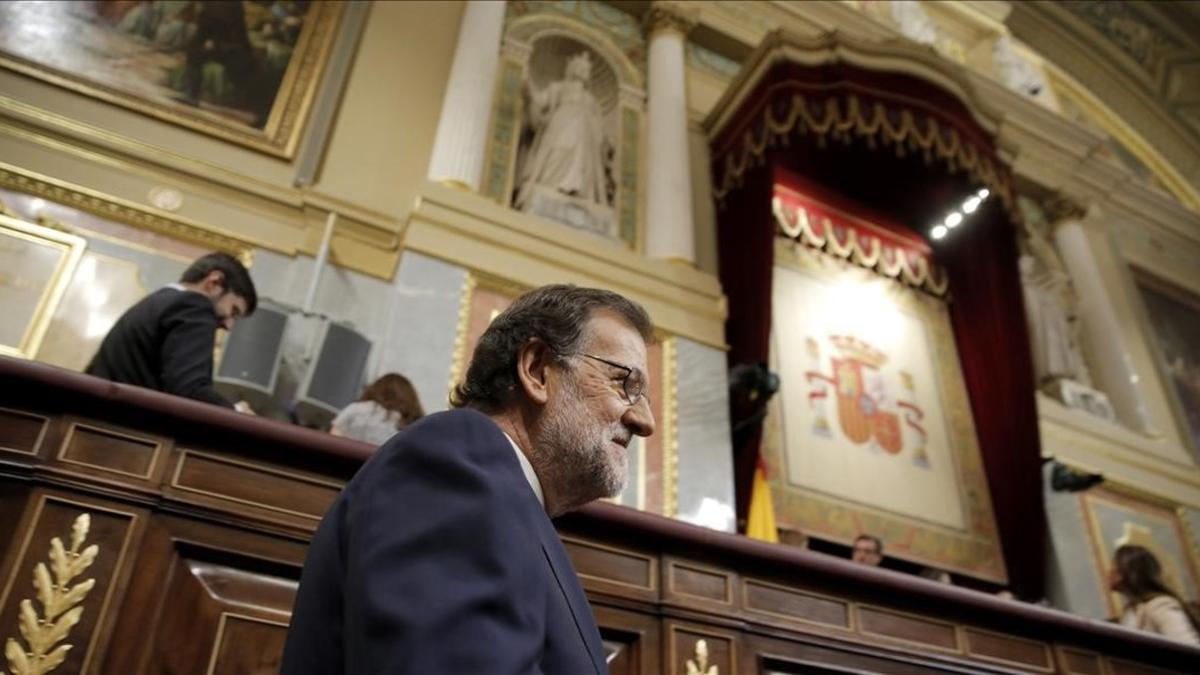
x: 60, y: 603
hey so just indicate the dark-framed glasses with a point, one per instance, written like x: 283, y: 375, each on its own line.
x: 633, y: 383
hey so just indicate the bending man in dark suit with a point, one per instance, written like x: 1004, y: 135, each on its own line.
x: 165, y: 341
x: 439, y: 557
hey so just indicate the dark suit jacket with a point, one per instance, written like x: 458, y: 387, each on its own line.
x: 164, y: 342
x: 437, y: 559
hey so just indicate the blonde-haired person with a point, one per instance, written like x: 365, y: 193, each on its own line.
x: 386, y: 406
x: 1149, y: 605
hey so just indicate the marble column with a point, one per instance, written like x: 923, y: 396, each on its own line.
x: 1085, y: 253
x: 462, y: 133
x: 669, y: 224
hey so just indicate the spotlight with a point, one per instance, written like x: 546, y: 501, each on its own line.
x: 971, y: 204
x: 953, y: 220
x: 983, y: 193
x: 938, y: 231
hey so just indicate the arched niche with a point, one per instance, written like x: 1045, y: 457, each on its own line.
x: 534, y: 53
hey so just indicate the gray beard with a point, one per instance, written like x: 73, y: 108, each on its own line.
x: 575, y: 455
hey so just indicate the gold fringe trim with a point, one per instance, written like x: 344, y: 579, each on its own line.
x: 869, y: 252
x: 843, y: 120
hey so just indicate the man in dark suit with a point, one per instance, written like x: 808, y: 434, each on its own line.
x: 439, y: 557
x: 165, y: 341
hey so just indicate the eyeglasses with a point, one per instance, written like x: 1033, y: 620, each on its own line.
x: 633, y: 383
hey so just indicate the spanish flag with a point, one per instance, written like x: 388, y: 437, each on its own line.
x: 760, y: 521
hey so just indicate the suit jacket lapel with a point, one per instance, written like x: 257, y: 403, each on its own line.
x: 568, y: 581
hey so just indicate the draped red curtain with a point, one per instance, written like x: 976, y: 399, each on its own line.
x: 889, y: 178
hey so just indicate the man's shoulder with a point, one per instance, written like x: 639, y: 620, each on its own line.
x: 461, y: 425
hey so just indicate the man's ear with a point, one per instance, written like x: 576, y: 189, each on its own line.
x: 533, y: 361
x: 214, y: 281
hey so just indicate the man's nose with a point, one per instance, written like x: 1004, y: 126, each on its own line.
x: 639, y: 418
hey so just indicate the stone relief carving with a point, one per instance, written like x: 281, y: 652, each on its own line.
x: 565, y: 161
x: 1014, y: 71
x: 914, y: 23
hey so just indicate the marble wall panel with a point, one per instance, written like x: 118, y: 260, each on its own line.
x: 705, y: 481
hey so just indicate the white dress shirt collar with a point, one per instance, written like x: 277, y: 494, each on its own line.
x: 527, y: 469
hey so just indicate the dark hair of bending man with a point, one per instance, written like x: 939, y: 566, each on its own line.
x: 165, y: 341
x: 439, y: 556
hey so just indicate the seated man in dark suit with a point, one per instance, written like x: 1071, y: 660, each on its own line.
x: 439, y: 557
x: 165, y: 341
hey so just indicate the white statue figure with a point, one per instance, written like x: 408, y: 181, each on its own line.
x: 1015, y: 72
x: 914, y: 23
x: 1053, y: 335
x: 569, y: 149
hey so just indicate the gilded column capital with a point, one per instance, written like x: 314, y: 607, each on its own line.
x: 666, y: 15
x: 1060, y: 208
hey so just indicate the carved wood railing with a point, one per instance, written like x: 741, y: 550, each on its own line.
x: 198, y: 518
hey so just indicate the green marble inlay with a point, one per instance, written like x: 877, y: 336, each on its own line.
x: 630, y: 132
x: 506, y: 129
x: 711, y: 62
x: 622, y: 28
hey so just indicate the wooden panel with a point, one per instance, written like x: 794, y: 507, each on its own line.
x: 795, y: 605
x: 1077, y: 662
x: 632, y: 641
x: 52, y: 517
x: 110, y: 451
x: 247, y: 644
x: 695, y: 649
x: 222, y: 618
x: 277, y: 490
x: 612, y: 569
x: 910, y: 628
x: 699, y: 582
x: 1119, y: 667
x: 1008, y: 650
x: 21, y: 431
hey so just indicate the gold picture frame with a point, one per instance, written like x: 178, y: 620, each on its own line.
x: 930, y: 447
x: 36, y: 265
x: 158, y: 70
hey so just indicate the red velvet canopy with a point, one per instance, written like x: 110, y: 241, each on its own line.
x: 889, y: 130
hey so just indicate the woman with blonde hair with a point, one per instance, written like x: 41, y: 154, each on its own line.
x: 386, y: 406
x: 1149, y: 605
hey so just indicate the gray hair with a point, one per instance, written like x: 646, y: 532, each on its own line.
x: 556, y: 315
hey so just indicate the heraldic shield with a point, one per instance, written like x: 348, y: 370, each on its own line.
x: 858, y: 411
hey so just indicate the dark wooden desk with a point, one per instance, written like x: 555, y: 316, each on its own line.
x: 201, y: 517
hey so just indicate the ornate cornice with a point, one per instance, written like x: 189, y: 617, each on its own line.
x: 1060, y: 208
x: 670, y: 16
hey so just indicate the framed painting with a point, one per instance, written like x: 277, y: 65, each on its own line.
x: 653, y: 461
x: 872, y: 430
x: 1117, y: 515
x: 244, y: 71
x: 36, y: 265
x: 1174, y: 327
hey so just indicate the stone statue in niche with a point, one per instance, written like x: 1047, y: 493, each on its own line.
x: 565, y: 170
x: 1055, y: 330
x: 1052, y: 326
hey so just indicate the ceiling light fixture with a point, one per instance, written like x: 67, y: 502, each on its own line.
x: 938, y: 231
x: 953, y: 220
x: 983, y: 193
x: 971, y: 204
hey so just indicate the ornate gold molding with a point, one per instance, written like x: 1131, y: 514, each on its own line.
x: 61, y: 606
x: 670, y: 16
x: 670, y: 431
x: 120, y: 210
x: 457, y: 362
